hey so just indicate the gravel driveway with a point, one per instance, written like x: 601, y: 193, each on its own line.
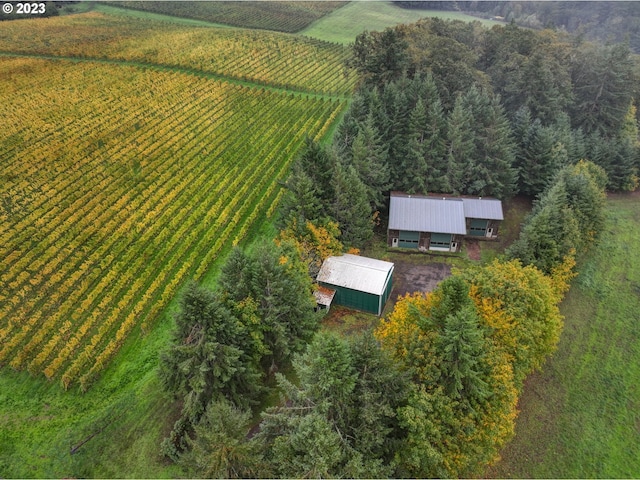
x: 409, y: 278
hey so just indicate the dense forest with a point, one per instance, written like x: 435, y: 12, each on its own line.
x: 443, y: 106
x: 451, y: 107
x: 603, y: 21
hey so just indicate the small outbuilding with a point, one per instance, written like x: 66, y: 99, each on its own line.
x: 324, y: 297
x: 360, y: 283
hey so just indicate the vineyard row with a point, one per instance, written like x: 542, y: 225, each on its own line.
x: 112, y: 213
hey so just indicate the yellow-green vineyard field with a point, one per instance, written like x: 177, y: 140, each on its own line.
x: 272, y: 15
x: 268, y: 58
x: 117, y: 184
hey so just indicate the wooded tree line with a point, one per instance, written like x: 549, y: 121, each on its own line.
x: 450, y: 107
x: 432, y: 394
x: 229, y: 340
x: 525, y: 95
x: 323, y: 190
x: 603, y: 21
x: 565, y: 220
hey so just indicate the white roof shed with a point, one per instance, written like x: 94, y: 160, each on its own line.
x: 356, y: 273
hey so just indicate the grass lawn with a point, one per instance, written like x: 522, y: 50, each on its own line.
x: 345, y: 23
x: 349, y: 322
x: 115, y: 427
x: 580, y: 417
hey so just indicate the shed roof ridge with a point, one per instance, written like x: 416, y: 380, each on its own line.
x: 346, y: 258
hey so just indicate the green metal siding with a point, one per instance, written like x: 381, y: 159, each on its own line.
x: 407, y: 239
x: 387, y: 292
x: 478, y: 227
x: 367, y: 302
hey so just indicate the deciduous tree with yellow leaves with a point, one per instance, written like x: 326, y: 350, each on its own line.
x: 463, y: 399
x: 313, y: 242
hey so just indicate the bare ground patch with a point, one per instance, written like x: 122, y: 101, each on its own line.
x: 410, y: 278
x: 473, y: 248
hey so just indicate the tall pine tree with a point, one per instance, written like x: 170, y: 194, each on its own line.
x: 460, y: 145
x: 491, y: 164
x: 351, y: 207
x: 369, y: 158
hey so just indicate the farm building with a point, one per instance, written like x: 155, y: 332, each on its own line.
x: 440, y: 223
x: 358, y: 282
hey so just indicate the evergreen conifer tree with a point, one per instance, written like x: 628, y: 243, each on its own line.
x: 463, y: 347
x: 550, y: 234
x: 491, y: 164
x: 416, y: 169
x: 397, y: 107
x: 219, y: 446
x: 539, y: 156
x: 317, y: 162
x: 369, y: 158
x: 460, y: 145
x: 351, y: 207
x: 302, y: 201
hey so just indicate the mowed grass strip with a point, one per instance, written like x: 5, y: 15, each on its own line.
x: 344, y: 24
x: 580, y: 417
x: 104, y: 217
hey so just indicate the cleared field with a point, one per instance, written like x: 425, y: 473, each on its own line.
x: 344, y: 24
x: 280, y: 16
x: 580, y: 418
x: 266, y: 58
x: 118, y: 184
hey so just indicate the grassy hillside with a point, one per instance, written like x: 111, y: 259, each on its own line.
x: 344, y: 24
x: 580, y: 418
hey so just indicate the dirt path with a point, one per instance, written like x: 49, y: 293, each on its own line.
x: 473, y: 248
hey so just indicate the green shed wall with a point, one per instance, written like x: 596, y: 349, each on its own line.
x: 408, y: 239
x: 367, y: 302
x: 478, y: 227
x: 387, y: 292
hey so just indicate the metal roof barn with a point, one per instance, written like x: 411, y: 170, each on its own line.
x: 427, y: 214
x: 360, y: 282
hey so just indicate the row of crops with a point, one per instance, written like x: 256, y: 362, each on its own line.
x: 279, y: 16
x: 268, y: 58
x: 117, y: 185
